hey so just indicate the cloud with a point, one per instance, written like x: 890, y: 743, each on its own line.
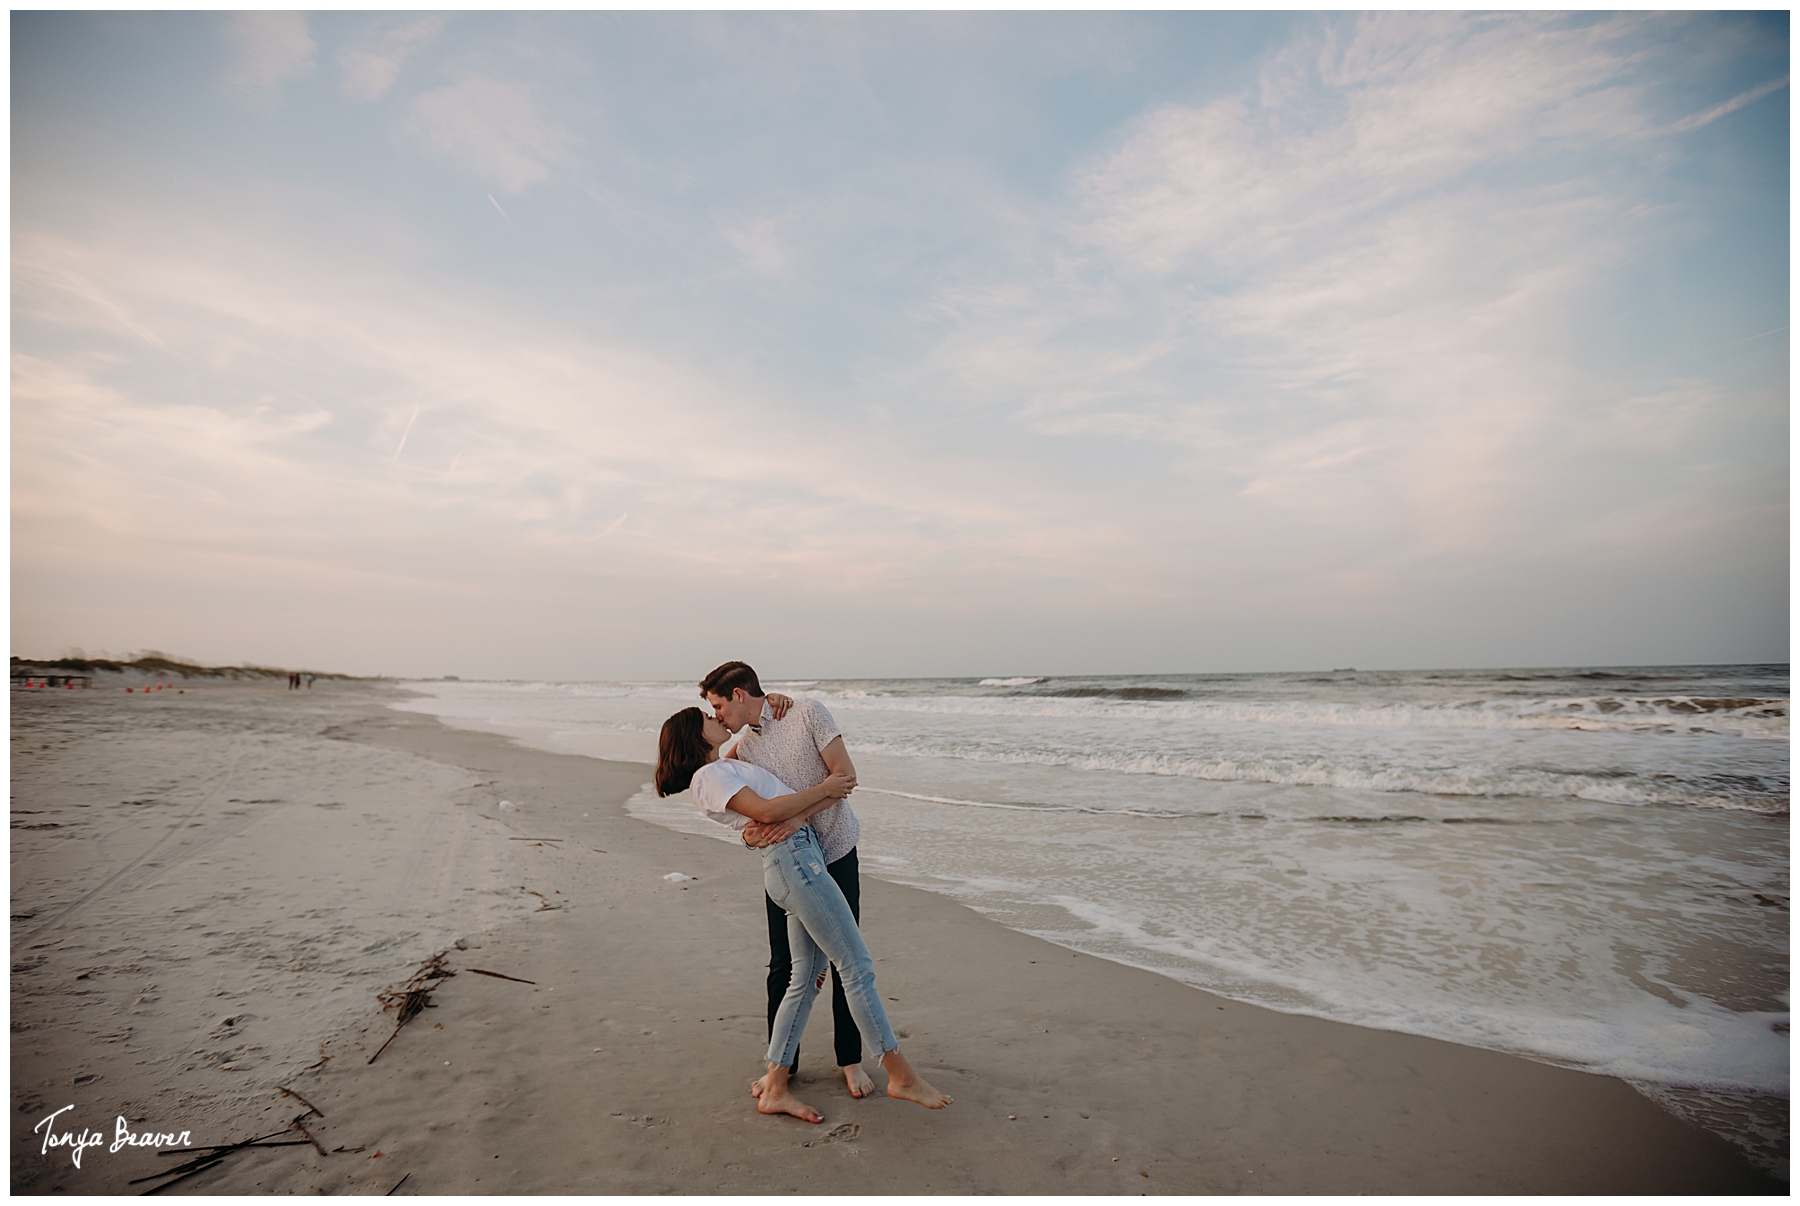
x: 373, y: 62
x: 269, y: 50
x: 760, y: 243
x: 1353, y: 295
x: 491, y: 128
x: 1352, y: 119
x: 1731, y: 106
x: 315, y: 405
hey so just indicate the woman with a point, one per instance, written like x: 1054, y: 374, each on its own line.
x: 821, y: 931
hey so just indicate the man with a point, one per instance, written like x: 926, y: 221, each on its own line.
x: 802, y: 748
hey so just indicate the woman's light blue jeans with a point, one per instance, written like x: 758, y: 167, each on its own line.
x: 821, y: 932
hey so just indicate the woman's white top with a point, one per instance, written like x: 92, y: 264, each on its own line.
x: 716, y: 782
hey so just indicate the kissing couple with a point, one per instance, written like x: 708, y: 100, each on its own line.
x: 783, y: 786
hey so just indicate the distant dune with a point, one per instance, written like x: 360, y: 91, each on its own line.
x: 154, y: 665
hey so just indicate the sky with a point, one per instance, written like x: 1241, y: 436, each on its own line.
x: 613, y: 346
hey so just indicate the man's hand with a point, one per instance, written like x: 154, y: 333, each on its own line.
x: 758, y: 835
x: 779, y: 704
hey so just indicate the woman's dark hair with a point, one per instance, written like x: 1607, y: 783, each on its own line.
x: 680, y: 751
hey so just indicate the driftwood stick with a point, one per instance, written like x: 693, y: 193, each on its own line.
x: 216, y: 1160
x: 397, y: 1185
x: 217, y: 1154
x: 183, y: 1151
x: 544, y: 907
x: 182, y: 1169
x: 230, y: 1147
x: 309, y: 1136
x: 390, y: 1038
x: 525, y: 839
x: 478, y: 971
x: 309, y: 1105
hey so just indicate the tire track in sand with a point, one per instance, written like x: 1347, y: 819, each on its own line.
x: 220, y: 783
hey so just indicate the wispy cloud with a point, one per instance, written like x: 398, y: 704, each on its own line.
x: 372, y: 62
x: 1731, y: 106
x: 269, y: 50
x: 1328, y: 290
x: 760, y: 243
x: 401, y: 446
x: 557, y: 431
x: 493, y: 129
x: 1356, y: 117
x: 610, y: 528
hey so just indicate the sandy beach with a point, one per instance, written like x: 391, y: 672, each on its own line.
x: 210, y: 887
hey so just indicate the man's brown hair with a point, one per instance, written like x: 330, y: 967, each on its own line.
x: 728, y: 678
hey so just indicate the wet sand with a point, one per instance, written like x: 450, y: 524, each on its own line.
x: 237, y: 870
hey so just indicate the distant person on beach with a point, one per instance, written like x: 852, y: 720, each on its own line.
x: 822, y: 934
x: 801, y: 747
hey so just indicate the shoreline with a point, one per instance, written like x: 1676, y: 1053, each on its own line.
x: 1060, y: 1062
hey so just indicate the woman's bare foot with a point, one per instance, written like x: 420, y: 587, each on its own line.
x: 776, y: 1099
x: 858, y: 1080
x: 908, y: 1085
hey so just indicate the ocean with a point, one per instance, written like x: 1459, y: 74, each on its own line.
x: 1584, y: 866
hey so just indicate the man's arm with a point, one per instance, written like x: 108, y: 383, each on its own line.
x: 833, y: 754
x: 837, y: 759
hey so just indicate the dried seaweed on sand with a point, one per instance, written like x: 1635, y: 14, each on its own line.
x: 411, y: 998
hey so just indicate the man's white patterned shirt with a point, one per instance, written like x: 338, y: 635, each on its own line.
x: 789, y: 749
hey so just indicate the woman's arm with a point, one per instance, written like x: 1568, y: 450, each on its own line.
x: 757, y: 835
x: 781, y: 808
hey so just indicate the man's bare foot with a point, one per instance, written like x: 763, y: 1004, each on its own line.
x: 908, y: 1085
x: 858, y: 1080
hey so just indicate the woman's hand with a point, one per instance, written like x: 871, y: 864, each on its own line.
x: 838, y: 786
x: 758, y: 835
x: 779, y: 704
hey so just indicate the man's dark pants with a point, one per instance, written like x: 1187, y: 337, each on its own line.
x: 845, y: 1035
